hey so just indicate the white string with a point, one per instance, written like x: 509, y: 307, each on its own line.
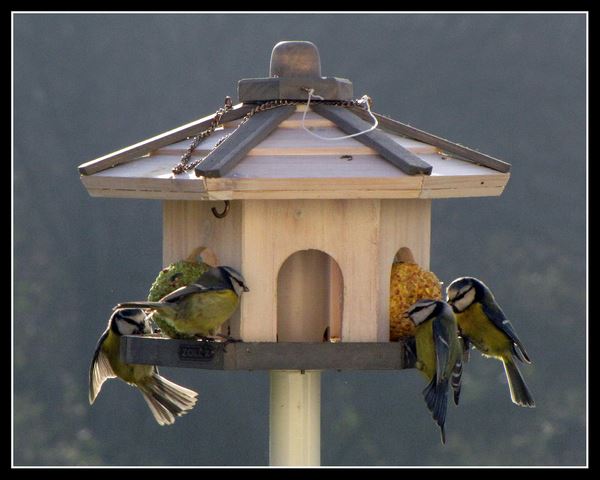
x: 373, y: 127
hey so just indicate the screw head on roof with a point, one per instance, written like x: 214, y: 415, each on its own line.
x: 295, y: 59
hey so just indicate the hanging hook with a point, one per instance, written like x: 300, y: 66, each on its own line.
x: 223, y: 213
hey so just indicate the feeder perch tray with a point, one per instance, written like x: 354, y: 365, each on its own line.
x: 211, y: 355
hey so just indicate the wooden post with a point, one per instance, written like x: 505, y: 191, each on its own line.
x: 295, y: 408
x: 295, y: 418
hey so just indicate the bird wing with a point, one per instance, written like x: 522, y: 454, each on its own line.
x: 498, y: 318
x: 100, y: 369
x: 187, y: 290
x: 442, y: 337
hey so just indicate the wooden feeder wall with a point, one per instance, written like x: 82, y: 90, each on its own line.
x: 360, y: 237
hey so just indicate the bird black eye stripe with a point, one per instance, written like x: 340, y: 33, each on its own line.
x: 418, y: 308
x: 128, y: 320
x: 461, y: 294
x: 458, y: 296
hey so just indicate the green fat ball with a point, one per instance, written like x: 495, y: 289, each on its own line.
x: 176, y: 275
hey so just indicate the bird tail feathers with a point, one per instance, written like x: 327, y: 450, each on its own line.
x: 456, y: 380
x: 436, y: 398
x: 519, y: 393
x: 166, y: 399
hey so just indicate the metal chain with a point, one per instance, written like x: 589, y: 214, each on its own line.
x: 184, y: 163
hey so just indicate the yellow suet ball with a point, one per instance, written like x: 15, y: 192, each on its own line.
x: 408, y: 284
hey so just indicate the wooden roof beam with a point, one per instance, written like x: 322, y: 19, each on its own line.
x: 236, y: 146
x: 350, y: 123
x: 132, y: 152
x: 467, y: 154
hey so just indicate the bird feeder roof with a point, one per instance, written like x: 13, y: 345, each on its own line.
x: 269, y: 154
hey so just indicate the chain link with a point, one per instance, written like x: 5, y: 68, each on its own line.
x: 184, y: 163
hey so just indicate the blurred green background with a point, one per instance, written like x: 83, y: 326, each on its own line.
x: 510, y: 85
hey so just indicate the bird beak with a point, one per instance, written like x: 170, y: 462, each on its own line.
x: 246, y: 289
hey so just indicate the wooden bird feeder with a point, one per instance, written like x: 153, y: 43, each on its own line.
x: 313, y: 224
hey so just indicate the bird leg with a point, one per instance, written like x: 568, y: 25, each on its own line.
x: 219, y: 337
x: 410, y: 353
x: 228, y: 338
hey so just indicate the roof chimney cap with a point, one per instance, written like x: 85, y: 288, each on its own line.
x: 295, y: 59
x: 295, y: 70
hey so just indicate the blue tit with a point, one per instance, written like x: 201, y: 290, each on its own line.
x: 438, y: 356
x: 165, y: 398
x: 174, y: 276
x: 198, y: 309
x: 482, y: 323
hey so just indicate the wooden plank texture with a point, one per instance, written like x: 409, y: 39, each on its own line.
x: 272, y: 231
x: 316, y: 166
x: 450, y: 191
x: 365, y: 176
x: 465, y: 153
x: 142, y: 148
x: 266, y: 355
x: 298, y: 142
x: 235, y: 147
x: 394, y: 153
x: 318, y: 194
